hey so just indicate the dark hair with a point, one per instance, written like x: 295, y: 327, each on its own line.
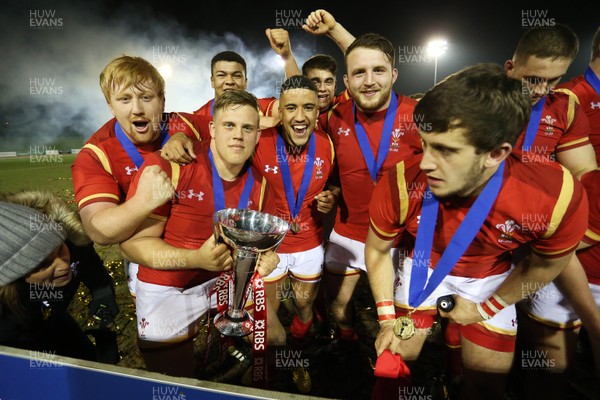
x: 228, y: 56
x: 373, y: 41
x: 558, y: 41
x: 320, y: 61
x: 596, y: 45
x: 482, y: 99
x: 235, y: 97
x: 298, y: 82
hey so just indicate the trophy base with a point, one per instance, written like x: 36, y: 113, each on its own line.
x: 234, y: 326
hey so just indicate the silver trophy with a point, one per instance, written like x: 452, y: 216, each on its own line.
x: 249, y: 233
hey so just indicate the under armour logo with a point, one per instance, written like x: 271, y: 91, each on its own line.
x: 269, y: 169
x: 346, y: 132
x: 595, y: 105
x: 130, y: 170
x: 191, y: 194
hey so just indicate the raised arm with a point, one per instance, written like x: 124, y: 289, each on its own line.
x: 321, y: 22
x: 280, y: 43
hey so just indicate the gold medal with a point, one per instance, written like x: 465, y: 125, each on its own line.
x: 295, y: 227
x: 404, y: 327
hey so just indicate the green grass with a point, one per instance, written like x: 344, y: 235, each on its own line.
x: 38, y: 172
x: 52, y: 173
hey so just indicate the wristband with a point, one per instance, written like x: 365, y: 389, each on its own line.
x: 385, y: 310
x: 491, y: 306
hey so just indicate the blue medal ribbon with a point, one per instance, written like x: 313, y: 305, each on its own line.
x: 295, y: 202
x: 212, y: 107
x: 131, y: 149
x: 534, y: 123
x: 384, y: 145
x: 219, y: 192
x: 592, y: 79
x: 420, y: 288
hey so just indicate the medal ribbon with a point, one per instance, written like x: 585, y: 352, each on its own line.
x: 420, y: 288
x: 130, y: 148
x: 384, y: 145
x: 259, y: 343
x: 212, y: 107
x: 219, y: 192
x: 295, y: 202
x: 592, y: 79
x: 222, y: 288
x: 533, y: 124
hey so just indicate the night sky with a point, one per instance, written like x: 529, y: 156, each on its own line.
x: 54, y: 51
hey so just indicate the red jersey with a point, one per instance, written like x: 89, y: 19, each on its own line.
x: 590, y: 257
x: 322, y: 121
x: 562, y: 126
x: 352, y: 219
x: 550, y: 214
x: 102, y: 171
x: 589, y: 102
x: 267, y: 162
x: 189, y: 216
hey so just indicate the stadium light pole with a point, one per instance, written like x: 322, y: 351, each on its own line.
x: 436, y: 48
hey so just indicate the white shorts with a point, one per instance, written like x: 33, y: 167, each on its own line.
x: 131, y: 270
x: 306, y: 266
x: 171, y: 314
x: 345, y: 256
x: 549, y: 307
x: 476, y: 290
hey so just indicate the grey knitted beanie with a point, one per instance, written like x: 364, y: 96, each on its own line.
x: 28, y: 237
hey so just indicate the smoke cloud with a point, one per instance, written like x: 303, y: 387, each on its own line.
x: 54, y: 54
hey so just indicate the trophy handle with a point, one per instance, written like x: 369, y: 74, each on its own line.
x: 244, y: 264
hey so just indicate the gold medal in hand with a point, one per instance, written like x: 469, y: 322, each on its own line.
x: 404, y: 327
x: 295, y: 227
